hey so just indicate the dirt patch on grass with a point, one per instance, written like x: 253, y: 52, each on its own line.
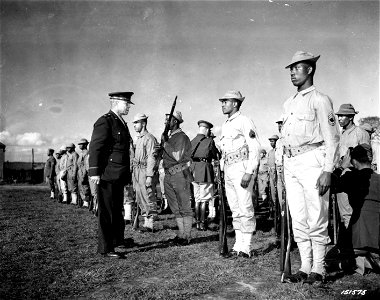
x: 48, y: 250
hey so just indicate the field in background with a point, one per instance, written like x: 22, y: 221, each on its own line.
x: 48, y: 250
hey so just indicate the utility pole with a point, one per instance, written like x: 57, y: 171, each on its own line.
x: 32, y: 172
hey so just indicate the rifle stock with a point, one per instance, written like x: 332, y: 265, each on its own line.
x: 136, y: 219
x: 223, y: 247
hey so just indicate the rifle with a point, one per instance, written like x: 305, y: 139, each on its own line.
x: 136, y: 218
x: 335, y: 223
x: 223, y: 247
x: 167, y: 125
x: 286, y: 269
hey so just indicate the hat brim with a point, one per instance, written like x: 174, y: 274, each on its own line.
x: 314, y: 59
x: 180, y: 121
x: 238, y: 99
x: 209, y: 125
x: 345, y: 113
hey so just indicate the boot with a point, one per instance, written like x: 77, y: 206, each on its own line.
x: 128, y: 212
x: 51, y: 195
x: 74, y: 198
x: 247, y: 245
x: 203, y: 225
x: 319, y: 254
x: 187, y: 225
x: 86, y: 201
x: 198, y: 215
x: 238, y: 241
x: 306, y: 256
x: 179, y: 239
x: 64, y: 198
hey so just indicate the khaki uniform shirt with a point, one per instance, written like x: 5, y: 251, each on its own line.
x: 239, y: 131
x: 271, y: 158
x: 310, y: 119
x: 145, y: 152
x: 351, y: 138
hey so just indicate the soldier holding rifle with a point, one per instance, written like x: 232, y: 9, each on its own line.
x: 240, y: 153
x: 310, y: 139
x: 176, y: 162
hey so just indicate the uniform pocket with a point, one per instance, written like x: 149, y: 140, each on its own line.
x: 305, y: 124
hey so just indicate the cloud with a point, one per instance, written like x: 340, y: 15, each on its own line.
x: 30, y: 139
x: 55, y: 109
x: 24, y: 139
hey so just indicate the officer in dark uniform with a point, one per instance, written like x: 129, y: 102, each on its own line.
x: 202, y: 153
x: 109, y: 167
x: 50, y: 171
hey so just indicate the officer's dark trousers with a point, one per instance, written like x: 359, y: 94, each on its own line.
x: 110, y: 216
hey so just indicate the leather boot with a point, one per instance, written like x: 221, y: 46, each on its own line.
x: 203, y: 225
x: 198, y: 215
x: 187, y: 225
x: 180, y: 227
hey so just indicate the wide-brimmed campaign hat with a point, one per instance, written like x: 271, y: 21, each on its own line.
x: 229, y: 95
x: 123, y: 96
x: 205, y: 124
x: 274, y: 137
x: 178, y: 116
x: 139, y: 117
x: 82, y: 141
x: 302, y: 56
x: 346, y: 110
x: 70, y: 145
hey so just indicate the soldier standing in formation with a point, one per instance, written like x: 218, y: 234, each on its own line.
x: 69, y: 163
x: 263, y: 175
x: 279, y: 156
x: 145, y: 171
x: 58, y: 156
x: 63, y: 173
x: 203, y: 151
x: 178, y: 178
x: 240, y: 152
x: 83, y: 182
x: 310, y: 136
x: 273, y: 176
x: 50, y: 171
x: 109, y: 168
x: 351, y: 136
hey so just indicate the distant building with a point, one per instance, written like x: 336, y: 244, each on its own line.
x: 2, y: 159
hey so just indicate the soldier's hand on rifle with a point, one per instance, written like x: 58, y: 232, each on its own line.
x: 148, y: 181
x: 245, y: 180
x: 95, y: 179
x: 164, y: 138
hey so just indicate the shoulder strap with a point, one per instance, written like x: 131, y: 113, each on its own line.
x: 196, y: 147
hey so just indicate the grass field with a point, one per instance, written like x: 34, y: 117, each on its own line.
x: 48, y: 251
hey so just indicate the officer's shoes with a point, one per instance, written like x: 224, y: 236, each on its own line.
x: 180, y: 241
x: 314, y: 279
x: 298, y: 277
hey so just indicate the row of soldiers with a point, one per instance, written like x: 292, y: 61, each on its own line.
x: 307, y: 152
x: 66, y: 172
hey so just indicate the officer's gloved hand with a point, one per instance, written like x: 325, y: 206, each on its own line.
x: 95, y: 179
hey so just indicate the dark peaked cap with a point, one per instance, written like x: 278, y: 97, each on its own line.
x: 205, y: 124
x: 123, y: 96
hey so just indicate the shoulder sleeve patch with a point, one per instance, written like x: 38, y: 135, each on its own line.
x: 331, y: 118
x: 252, y: 134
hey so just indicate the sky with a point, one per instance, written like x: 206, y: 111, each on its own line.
x: 60, y: 59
